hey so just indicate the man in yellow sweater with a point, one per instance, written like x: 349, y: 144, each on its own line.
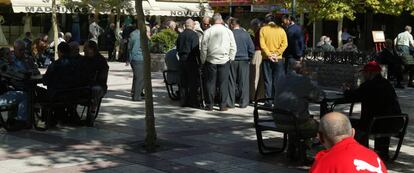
x: 273, y: 41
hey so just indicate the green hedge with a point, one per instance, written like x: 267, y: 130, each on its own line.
x: 163, y: 41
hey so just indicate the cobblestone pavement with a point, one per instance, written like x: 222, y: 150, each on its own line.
x: 190, y: 140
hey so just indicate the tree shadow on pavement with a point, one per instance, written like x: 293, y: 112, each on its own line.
x: 122, y: 122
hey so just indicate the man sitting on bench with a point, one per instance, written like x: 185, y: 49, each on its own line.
x: 14, y: 92
x: 61, y: 77
x: 293, y: 92
x: 96, y: 72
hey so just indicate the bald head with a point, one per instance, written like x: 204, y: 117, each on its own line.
x: 334, y: 127
x: 189, y: 24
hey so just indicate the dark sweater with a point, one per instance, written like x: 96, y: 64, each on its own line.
x: 63, y: 74
x: 296, y: 42
x: 96, y: 70
x: 188, y: 46
x: 378, y: 98
x: 245, y: 46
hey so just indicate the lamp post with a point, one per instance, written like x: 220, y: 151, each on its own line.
x: 293, y: 7
x: 230, y: 7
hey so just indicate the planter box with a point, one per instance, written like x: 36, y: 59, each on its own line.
x: 158, y: 62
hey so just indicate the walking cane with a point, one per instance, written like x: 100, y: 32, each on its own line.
x: 200, y: 75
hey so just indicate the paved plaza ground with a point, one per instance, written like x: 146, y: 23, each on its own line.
x: 191, y: 140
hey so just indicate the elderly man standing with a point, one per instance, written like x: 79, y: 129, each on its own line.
x: 343, y: 153
x: 110, y: 37
x: 94, y: 30
x: 240, y: 67
x: 189, y: 52
x: 218, y: 48
x: 206, y: 23
x: 273, y: 41
x: 296, y: 40
x: 136, y: 59
x: 256, y: 62
x: 404, y: 42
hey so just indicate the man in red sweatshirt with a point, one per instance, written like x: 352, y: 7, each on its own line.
x: 343, y: 153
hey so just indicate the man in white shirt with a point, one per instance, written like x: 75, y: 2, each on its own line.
x: 218, y: 48
x: 404, y: 41
x: 60, y: 40
x: 94, y: 30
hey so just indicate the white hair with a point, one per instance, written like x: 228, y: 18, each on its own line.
x: 217, y: 17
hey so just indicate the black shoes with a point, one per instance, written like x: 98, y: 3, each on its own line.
x: 399, y: 86
x: 224, y: 109
x: 16, y: 125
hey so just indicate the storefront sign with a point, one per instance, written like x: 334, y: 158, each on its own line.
x: 59, y: 9
x: 187, y: 13
x: 151, y: 8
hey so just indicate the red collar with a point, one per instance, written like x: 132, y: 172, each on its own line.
x: 340, y: 144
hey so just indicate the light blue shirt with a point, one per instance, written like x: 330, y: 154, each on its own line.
x: 134, y: 47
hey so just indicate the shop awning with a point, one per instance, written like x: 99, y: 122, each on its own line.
x: 5, y: 2
x: 151, y: 8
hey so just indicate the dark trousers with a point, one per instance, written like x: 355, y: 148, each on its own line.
x: 271, y: 71
x: 217, y: 75
x: 410, y: 70
x: 231, y: 101
x: 189, y: 83
x: 396, y: 71
x: 111, y: 53
x: 381, y: 144
x: 138, y: 79
x: 287, y: 61
x: 239, y: 83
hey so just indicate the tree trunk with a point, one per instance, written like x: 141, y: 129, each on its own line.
x: 339, y: 29
x: 151, y: 135
x: 118, y: 30
x: 118, y: 23
x: 55, y: 28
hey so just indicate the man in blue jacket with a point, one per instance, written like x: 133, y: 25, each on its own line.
x: 296, y: 43
x: 240, y: 66
x: 136, y: 59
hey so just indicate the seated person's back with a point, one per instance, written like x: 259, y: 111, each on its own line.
x: 378, y: 98
x: 377, y: 95
x: 96, y: 66
x: 63, y: 73
x: 295, y: 90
